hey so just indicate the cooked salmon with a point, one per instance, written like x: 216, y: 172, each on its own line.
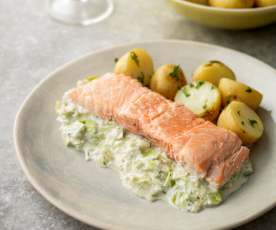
x: 213, y: 152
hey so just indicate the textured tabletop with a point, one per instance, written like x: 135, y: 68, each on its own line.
x: 32, y: 45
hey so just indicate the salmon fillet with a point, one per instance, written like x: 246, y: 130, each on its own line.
x: 214, y: 153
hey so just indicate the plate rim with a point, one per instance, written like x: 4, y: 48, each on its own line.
x: 70, y: 211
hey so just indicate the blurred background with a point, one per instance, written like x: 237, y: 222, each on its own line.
x: 32, y: 44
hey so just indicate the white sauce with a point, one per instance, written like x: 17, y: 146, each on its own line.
x: 144, y: 169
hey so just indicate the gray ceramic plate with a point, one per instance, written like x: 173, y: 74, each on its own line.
x: 94, y: 195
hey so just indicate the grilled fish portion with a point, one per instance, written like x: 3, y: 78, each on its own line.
x: 213, y: 152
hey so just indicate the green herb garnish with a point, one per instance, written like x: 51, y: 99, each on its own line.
x: 242, y: 122
x: 116, y: 60
x: 248, y: 90
x: 90, y: 78
x: 186, y: 93
x: 199, y: 84
x: 134, y: 57
x: 141, y: 77
x: 215, y: 197
x: 148, y: 152
x: 247, y: 172
x: 205, y: 104
x: 174, y: 73
x: 239, y: 112
x: 172, y: 183
x: 86, y: 80
x: 212, y: 62
x: 252, y: 122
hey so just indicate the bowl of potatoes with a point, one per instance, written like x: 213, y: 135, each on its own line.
x: 228, y: 14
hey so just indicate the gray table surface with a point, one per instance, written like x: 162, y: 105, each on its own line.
x: 32, y: 45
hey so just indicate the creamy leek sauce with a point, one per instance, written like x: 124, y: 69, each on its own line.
x: 143, y: 168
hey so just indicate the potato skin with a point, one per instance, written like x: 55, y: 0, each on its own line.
x: 202, y: 2
x: 262, y: 3
x: 238, y: 117
x: 167, y: 79
x: 202, y: 98
x: 136, y: 63
x: 213, y: 71
x: 234, y: 90
x: 232, y: 3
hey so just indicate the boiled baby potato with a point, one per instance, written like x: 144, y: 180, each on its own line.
x: 232, y: 3
x: 261, y: 3
x: 241, y: 119
x: 167, y: 79
x: 234, y: 90
x: 213, y: 71
x: 202, y: 2
x: 136, y: 63
x: 202, y: 98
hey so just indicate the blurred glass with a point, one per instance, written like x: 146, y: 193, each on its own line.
x: 80, y: 12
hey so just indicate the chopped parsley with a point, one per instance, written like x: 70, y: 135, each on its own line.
x: 242, y: 122
x: 215, y: 62
x: 205, y: 104
x: 90, y: 78
x: 141, y: 77
x: 231, y: 98
x: 199, y: 84
x: 239, y: 112
x: 134, y: 57
x: 252, y: 122
x: 174, y: 73
x: 212, y: 62
x: 186, y: 93
x: 86, y: 80
x: 212, y: 87
x: 116, y: 60
x: 148, y: 152
x: 191, y: 85
x: 172, y: 183
x: 247, y: 173
x: 248, y: 90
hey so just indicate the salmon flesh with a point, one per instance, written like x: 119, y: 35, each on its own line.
x: 212, y: 152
